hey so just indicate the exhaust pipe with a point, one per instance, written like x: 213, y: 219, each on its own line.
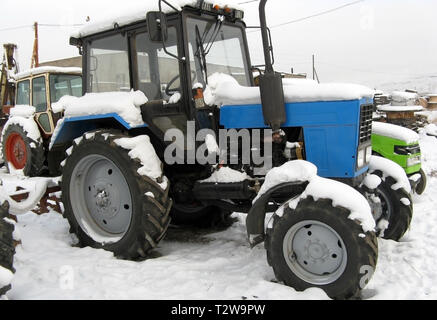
x: 270, y: 83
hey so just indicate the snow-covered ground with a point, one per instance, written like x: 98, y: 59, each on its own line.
x: 216, y: 265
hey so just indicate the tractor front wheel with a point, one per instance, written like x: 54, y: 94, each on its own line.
x: 421, y: 186
x: 317, y: 245
x: 397, y: 210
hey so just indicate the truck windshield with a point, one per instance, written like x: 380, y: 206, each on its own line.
x: 64, y: 85
x: 216, y: 47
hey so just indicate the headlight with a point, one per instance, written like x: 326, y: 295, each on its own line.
x: 360, y: 160
x: 407, y: 150
x: 413, y: 161
x: 368, y: 153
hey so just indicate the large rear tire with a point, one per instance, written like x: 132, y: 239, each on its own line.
x: 317, y: 245
x: 20, y: 152
x: 7, y: 249
x: 108, y: 203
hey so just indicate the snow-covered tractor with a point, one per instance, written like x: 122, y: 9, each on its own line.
x: 400, y: 145
x: 26, y: 135
x: 172, y: 125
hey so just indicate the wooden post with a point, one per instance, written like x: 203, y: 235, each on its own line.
x: 35, y: 56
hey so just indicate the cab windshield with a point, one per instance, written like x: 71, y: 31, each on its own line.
x: 216, y: 47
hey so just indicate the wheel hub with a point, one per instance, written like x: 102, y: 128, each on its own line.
x: 16, y: 152
x: 103, y: 200
x: 315, y: 252
x: 103, y: 197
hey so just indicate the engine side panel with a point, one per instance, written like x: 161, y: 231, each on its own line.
x: 331, y: 131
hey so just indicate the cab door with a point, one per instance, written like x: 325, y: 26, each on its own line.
x: 40, y: 98
x: 161, y: 77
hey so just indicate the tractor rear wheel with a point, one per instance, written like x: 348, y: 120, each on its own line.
x: 21, y: 152
x: 108, y: 203
x: 317, y: 245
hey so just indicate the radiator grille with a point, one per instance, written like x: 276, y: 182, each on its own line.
x: 366, y: 115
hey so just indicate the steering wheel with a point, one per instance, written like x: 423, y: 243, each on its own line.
x: 169, y: 92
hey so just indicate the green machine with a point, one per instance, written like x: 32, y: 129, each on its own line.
x: 400, y: 145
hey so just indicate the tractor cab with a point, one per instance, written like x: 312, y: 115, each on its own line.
x: 169, y: 56
x: 42, y: 87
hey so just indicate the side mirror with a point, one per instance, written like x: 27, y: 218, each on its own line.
x: 157, y: 26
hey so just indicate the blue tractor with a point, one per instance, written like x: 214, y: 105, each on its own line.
x: 125, y: 177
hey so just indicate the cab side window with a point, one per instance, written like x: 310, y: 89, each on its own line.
x: 156, y: 69
x: 39, y: 94
x: 108, y: 65
x: 23, y: 92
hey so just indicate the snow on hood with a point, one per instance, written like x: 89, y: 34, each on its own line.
x: 125, y: 104
x: 395, y: 132
x: 223, y: 89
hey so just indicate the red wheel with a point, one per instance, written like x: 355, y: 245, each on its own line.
x: 21, y: 152
x: 16, y: 151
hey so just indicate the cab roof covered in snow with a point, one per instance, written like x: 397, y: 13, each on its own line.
x: 135, y: 13
x: 41, y: 70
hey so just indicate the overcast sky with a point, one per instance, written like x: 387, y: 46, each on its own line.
x: 372, y: 42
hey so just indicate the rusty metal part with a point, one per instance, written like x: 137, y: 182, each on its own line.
x: 49, y: 201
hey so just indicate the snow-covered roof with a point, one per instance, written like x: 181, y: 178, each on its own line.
x: 131, y: 13
x: 395, y: 132
x: 390, y: 108
x: 403, y: 96
x: 48, y: 69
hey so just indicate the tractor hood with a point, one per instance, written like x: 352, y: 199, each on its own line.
x: 223, y: 89
x: 395, y: 132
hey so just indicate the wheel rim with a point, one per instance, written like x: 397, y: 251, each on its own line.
x: 315, y: 252
x: 101, y: 199
x: 385, y: 205
x: 16, y: 151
